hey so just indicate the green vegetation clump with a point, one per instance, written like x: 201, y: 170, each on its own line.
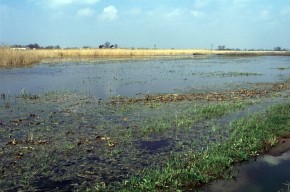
x: 189, y: 115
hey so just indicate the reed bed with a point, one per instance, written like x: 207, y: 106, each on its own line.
x: 12, y: 57
x: 116, y: 53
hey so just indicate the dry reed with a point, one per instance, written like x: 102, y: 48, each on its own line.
x: 12, y: 57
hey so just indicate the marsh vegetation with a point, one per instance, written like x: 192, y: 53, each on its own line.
x: 23, y: 57
x: 139, y: 124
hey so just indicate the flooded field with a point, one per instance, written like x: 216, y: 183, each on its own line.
x: 93, y: 124
x: 103, y: 79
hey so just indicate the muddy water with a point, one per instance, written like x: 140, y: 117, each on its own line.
x: 104, y: 79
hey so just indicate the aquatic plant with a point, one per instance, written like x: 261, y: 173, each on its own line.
x: 189, y: 115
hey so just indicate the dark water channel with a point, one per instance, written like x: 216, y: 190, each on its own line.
x: 104, y: 79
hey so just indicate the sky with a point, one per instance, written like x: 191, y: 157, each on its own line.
x: 164, y: 24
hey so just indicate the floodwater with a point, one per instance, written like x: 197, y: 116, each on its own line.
x: 104, y: 79
x: 267, y: 173
x: 55, y: 134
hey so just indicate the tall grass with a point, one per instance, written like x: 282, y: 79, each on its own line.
x: 11, y: 57
x: 65, y: 53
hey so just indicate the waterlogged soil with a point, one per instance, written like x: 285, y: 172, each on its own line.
x: 73, y: 142
x: 88, y: 124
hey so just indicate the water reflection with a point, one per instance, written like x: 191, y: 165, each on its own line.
x: 268, y: 173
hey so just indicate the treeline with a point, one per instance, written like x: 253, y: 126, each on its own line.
x: 224, y: 48
x: 108, y: 45
x: 37, y: 46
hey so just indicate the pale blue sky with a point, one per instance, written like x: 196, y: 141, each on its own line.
x: 144, y: 23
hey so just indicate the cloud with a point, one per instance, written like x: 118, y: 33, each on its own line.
x: 57, y: 3
x: 62, y: 3
x: 175, y: 13
x: 285, y: 11
x: 239, y: 2
x: 86, y: 12
x: 135, y: 11
x: 110, y: 13
x: 89, y: 2
x: 198, y: 14
x: 264, y: 14
x: 201, y: 3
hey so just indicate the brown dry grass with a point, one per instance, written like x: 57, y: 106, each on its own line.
x: 10, y: 57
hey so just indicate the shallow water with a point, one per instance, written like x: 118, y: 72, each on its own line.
x: 104, y: 79
x: 267, y: 173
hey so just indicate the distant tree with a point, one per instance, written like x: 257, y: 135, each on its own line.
x: 49, y: 47
x: 18, y: 46
x: 101, y: 46
x: 107, y: 44
x: 33, y: 46
x: 116, y: 45
x: 277, y: 48
x: 221, y: 47
x: 52, y: 47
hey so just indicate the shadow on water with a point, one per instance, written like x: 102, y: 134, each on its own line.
x: 267, y: 173
x: 47, y: 184
x: 155, y: 146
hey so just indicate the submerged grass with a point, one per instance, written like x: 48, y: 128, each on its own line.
x: 234, y: 74
x: 61, y: 131
x: 186, y: 117
x: 249, y: 137
x: 65, y: 137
